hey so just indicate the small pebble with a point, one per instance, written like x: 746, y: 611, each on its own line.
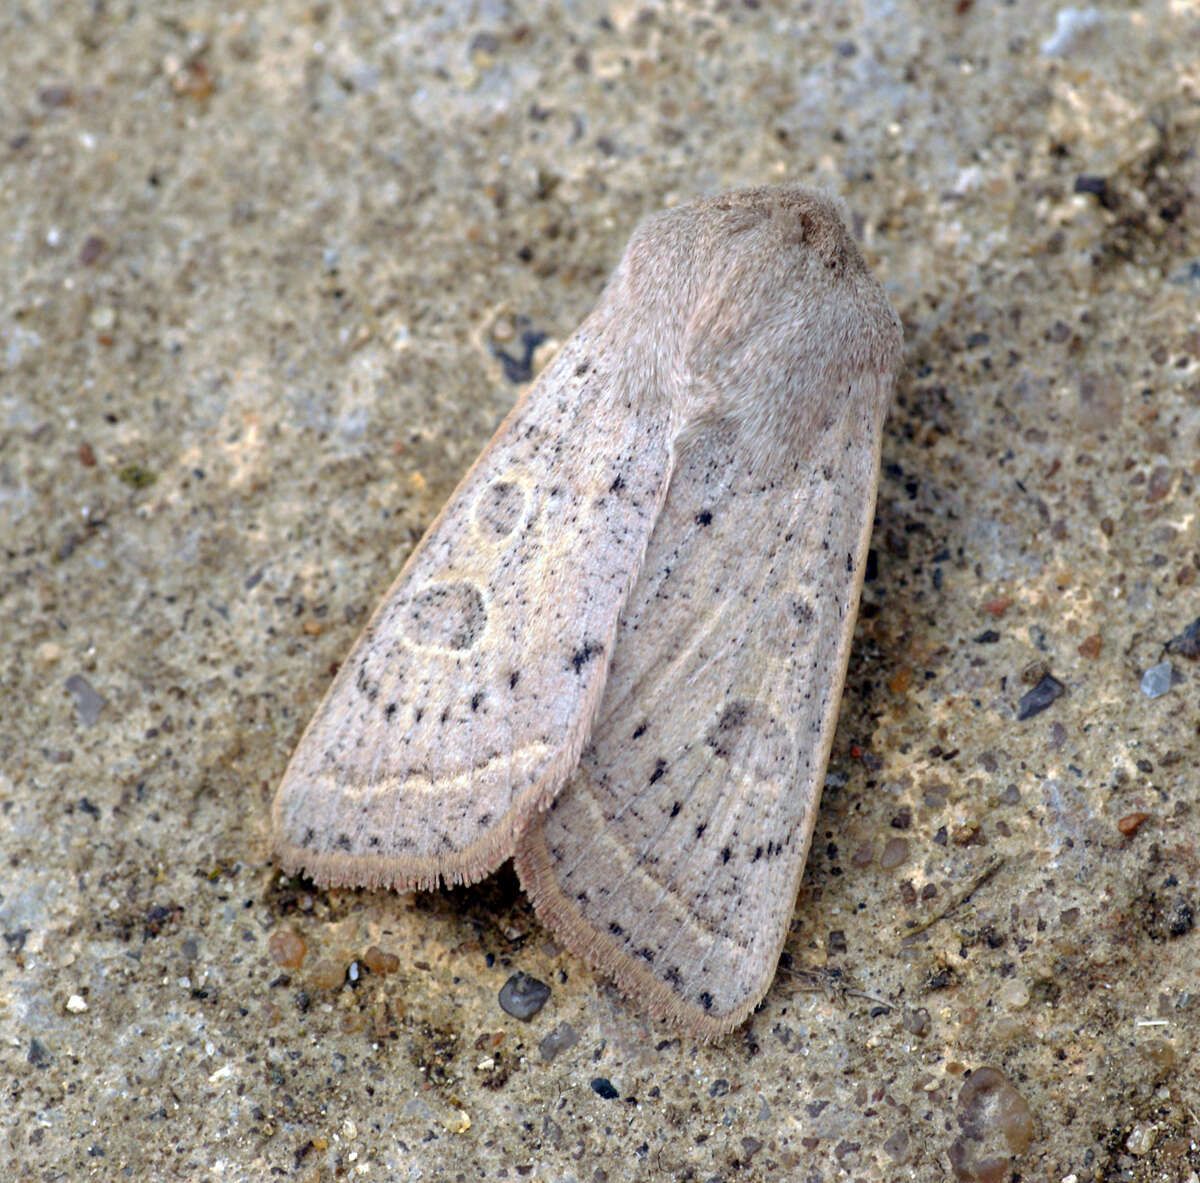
x: 1141, y: 1139
x: 1159, y: 484
x: 863, y: 854
x: 287, y: 948
x: 1035, y: 671
x: 1131, y: 823
x: 88, y: 704
x: 92, y: 249
x: 77, y: 1004
x: 417, y: 1107
x: 894, y: 853
x: 997, y: 1127
x: 522, y: 996
x: 1071, y: 26
x: 1156, y: 681
x: 897, y: 1146
x: 1035, y: 701
x: 327, y: 974
x: 563, y: 1036
x: 1187, y: 275
x: 56, y: 95
x: 1187, y: 643
x: 136, y: 476
x: 1013, y: 994
x: 379, y: 962
x: 39, y: 1055
x: 603, y: 1087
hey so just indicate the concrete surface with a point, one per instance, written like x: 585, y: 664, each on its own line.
x: 256, y: 268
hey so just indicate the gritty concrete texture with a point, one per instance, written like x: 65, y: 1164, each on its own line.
x: 270, y: 277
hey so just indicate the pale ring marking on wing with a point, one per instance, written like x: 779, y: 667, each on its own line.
x: 502, y: 507
x: 449, y: 615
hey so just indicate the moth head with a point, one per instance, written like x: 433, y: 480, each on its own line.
x: 762, y: 308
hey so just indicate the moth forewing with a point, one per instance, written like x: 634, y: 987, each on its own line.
x: 466, y: 700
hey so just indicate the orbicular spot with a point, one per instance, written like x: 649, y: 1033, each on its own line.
x: 788, y: 625
x: 749, y: 735
x: 446, y: 615
x: 800, y: 612
x: 725, y: 736
x: 499, y: 509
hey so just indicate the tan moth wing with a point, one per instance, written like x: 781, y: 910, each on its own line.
x: 672, y: 858
x: 465, y: 703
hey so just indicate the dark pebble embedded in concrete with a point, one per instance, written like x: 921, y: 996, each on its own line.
x: 522, y: 996
x: 520, y: 369
x: 38, y: 1054
x: 1169, y: 914
x: 1187, y: 643
x: 603, y: 1087
x: 1040, y: 697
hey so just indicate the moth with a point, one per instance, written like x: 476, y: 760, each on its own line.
x: 617, y: 654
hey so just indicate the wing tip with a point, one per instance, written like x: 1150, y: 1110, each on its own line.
x: 397, y: 872
x: 535, y: 870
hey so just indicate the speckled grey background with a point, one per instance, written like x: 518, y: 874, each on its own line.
x: 257, y: 269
